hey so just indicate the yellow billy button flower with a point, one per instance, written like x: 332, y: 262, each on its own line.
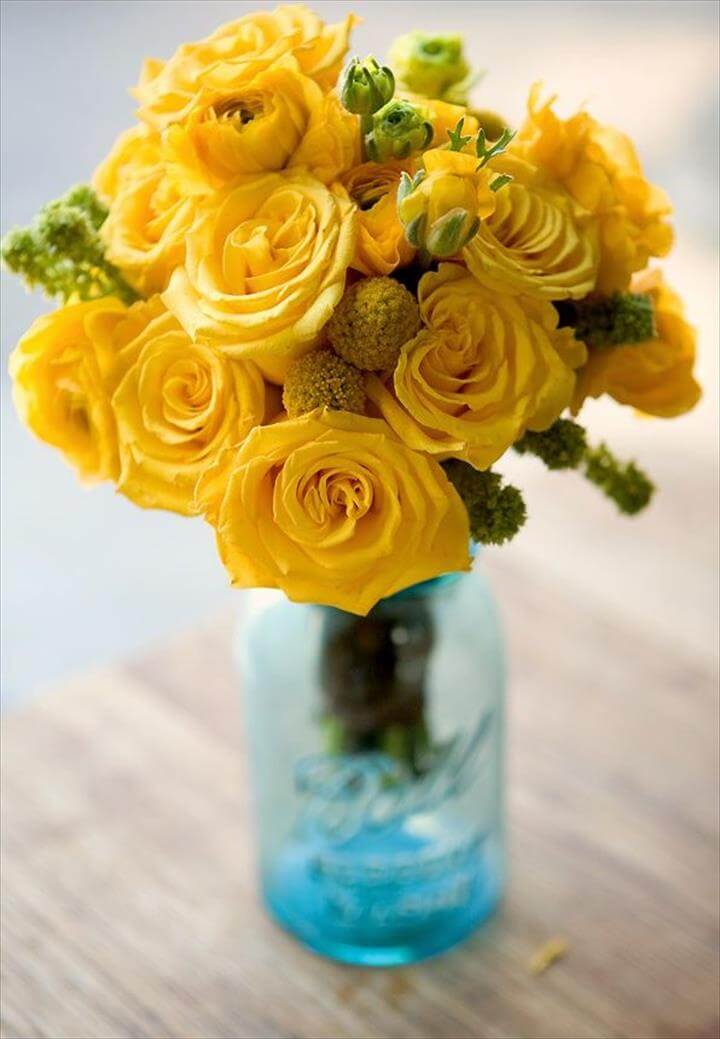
x: 144, y: 233
x: 538, y: 241
x: 177, y: 404
x: 60, y: 371
x: 265, y: 267
x: 487, y: 367
x: 599, y: 167
x: 321, y: 379
x: 655, y: 376
x: 381, y: 243
x: 332, y: 508
x: 277, y: 119
x: 372, y: 321
x: 432, y: 66
x: 199, y: 74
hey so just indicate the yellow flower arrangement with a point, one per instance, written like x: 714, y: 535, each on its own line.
x: 317, y: 311
x: 332, y: 507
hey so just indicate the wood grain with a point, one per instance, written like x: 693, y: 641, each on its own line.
x: 129, y: 904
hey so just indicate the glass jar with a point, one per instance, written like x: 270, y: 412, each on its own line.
x: 376, y: 748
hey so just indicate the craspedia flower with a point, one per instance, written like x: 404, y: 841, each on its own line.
x: 371, y: 323
x: 321, y: 379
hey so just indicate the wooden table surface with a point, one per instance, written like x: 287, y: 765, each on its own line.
x: 130, y: 907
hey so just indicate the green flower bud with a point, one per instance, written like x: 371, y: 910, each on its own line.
x: 366, y: 86
x: 398, y: 129
x: 433, y: 66
x: 451, y: 233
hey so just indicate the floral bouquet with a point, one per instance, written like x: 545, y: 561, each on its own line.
x: 317, y: 303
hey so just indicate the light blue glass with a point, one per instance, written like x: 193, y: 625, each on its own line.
x: 376, y: 755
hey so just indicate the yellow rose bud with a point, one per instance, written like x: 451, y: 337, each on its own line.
x: 487, y: 367
x: 199, y: 74
x: 655, y: 376
x: 60, y: 371
x: 279, y: 118
x: 599, y: 167
x: 145, y: 230
x: 265, y: 266
x: 538, y: 241
x: 178, y: 405
x: 442, y: 209
x: 381, y: 243
x: 332, y: 508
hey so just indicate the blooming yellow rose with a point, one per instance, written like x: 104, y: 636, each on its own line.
x: 598, y: 165
x: 278, y: 118
x: 333, y: 509
x: 655, y: 376
x: 59, y: 371
x: 444, y: 210
x: 178, y: 405
x: 199, y: 74
x: 538, y: 241
x: 487, y: 367
x: 265, y: 267
x: 149, y: 217
x: 381, y: 243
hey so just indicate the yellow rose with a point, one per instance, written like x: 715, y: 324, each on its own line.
x: 444, y: 210
x: 278, y: 118
x: 381, y: 243
x: 488, y: 367
x: 656, y: 376
x: 59, y: 371
x: 178, y: 405
x: 333, y: 509
x: 200, y: 74
x: 538, y: 241
x: 265, y: 267
x: 598, y: 165
x: 145, y: 230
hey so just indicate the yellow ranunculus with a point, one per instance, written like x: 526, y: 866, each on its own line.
x: 538, y: 241
x: 178, y: 405
x: 278, y: 118
x: 149, y: 218
x: 60, y: 371
x: 488, y: 367
x: 381, y: 244
x: 656, y: 376
x: 452, y: 186
x: 334, y: 509
x: 200, y: 74
x: 265, y: 267
x: 598, y: 165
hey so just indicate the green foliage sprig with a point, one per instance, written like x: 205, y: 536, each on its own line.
x: 564, y: 446
x: 62, y: 253
x: 496, y: 510
x: 624, y: 317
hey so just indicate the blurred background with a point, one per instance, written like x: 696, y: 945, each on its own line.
x: 86, y: 577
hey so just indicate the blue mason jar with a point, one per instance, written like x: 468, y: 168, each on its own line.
x: 376, y: 756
